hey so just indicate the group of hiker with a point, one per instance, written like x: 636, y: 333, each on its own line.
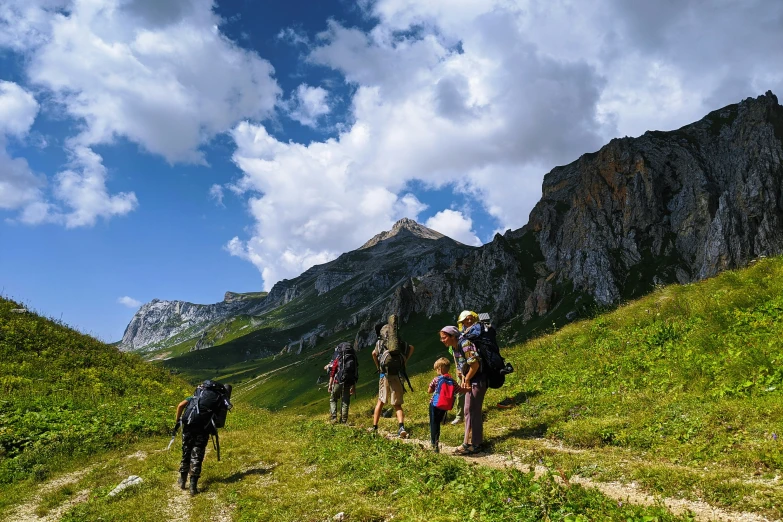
x: 477, y: 363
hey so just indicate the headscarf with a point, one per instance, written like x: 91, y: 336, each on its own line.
x: 450, y: 330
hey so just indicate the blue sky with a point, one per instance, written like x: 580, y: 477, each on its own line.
x: 185, y: 148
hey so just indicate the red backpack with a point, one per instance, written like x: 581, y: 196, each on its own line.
x: 445, y: 393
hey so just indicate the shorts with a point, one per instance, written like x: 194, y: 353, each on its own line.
x: 390, y: 390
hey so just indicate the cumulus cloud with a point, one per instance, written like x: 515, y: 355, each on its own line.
x: 423, y: 109
x: 129, y: 302
x: 307, y: 104
x: 487, y: 97
x: 20, y: 188
x: 82, y: 189
x: 454, y: 224
x: 160, y: 74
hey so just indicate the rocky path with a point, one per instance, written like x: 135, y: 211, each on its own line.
x: 627, y: 493
x: 27, y: 512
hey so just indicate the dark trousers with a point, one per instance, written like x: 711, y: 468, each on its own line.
x: 436, y: 417
x: 194, y: 445
x: 340, y: 393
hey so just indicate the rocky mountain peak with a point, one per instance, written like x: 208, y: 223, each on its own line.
x: 405, y: 226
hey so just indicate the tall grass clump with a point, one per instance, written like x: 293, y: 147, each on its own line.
x: 64, y: 394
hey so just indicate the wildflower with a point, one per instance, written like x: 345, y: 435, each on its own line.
x: 775, y: 436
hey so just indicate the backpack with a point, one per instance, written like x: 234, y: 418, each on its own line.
x: 445, y: 393
x: 208, y: 407
x: 348, y: 369
x: 493, y: 366
x: 392, y: 351
x: 392, y: 362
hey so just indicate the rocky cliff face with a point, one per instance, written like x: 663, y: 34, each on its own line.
x: 160, y: 321
x: 665, y: 207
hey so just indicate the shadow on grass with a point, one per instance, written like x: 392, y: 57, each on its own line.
x: 236, y: 477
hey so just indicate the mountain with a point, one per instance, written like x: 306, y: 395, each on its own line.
x: 675, y: 206
x: 353, y: 290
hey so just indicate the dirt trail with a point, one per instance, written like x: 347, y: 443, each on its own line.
x: 27, y: 511
x: 628, y: 493
x: 178, y: 508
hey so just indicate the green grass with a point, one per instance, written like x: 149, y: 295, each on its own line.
x: 679, y: 391
x: 65, y: 395
x: 292, y: 475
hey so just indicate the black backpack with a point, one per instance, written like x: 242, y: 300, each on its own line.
x: 493, y: 366
x: 348, y: 369
x: 209, y: 406
x: 392, y: 362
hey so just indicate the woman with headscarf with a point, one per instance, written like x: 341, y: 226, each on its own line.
x: 472, y: 379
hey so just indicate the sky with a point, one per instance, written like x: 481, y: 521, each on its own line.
x: 182, y: 149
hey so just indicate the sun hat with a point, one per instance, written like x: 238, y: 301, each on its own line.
x: 465, y: 314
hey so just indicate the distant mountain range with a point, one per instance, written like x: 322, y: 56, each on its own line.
x: 665, y: 207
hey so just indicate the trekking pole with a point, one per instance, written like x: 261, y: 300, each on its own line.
x: 216, y: 444
x: 173, y: 434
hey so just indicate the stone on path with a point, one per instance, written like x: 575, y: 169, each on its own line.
x: 128, y: 482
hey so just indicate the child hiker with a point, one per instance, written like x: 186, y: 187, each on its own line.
x: 444, y: 390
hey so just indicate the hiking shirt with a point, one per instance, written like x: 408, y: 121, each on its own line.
x: 459, y: 359
x: 470, y: 352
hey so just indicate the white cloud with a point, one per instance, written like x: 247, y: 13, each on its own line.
x: 216, y: 193
x: 20, y: 188
x: 18, y: 110
x: 454, y: 224
x: 129, y: 302
x: 293, y: 36
x: 160, y: 74
x: 487, y: 97
x: 308, y: 104
x: 82, y: 188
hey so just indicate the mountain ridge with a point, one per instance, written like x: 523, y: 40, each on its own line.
x: 674, y: 206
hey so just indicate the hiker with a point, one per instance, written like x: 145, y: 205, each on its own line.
x: 391, y: 355
x: 459, y: 362
x: 472, y: 379
x: 200, y: 415
x: 343, y: 374
x: 443, y: 390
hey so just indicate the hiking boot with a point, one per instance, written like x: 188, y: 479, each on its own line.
x: 373, y: 430
x: 332, y: 420
x: 182, y: 481
x: 193, y: 486
x: 436, y: 447
x: 402, y: 432
x: 457, y: 420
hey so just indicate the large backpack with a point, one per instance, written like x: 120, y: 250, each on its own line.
x: 444, y: 395
x: 493, y: 366
x: 348, y: 369
x: 209, y: 406
x: 392, y: 352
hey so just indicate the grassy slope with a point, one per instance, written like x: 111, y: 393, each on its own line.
x: 679, y: 391
x: 66, y: 394
x: 290, y: 474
